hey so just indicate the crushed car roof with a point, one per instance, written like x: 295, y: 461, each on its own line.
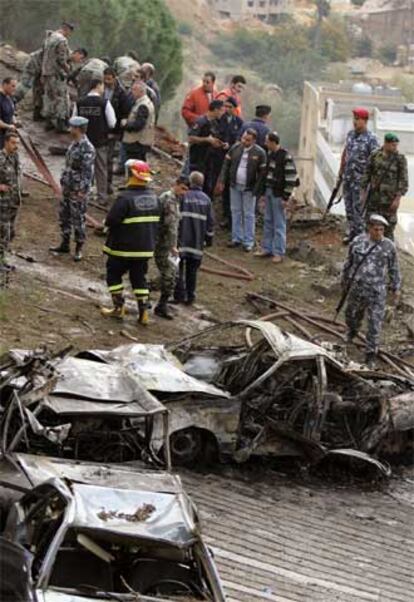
x: 158, y: 369
x: 151, y: 515
x: 37, y: 469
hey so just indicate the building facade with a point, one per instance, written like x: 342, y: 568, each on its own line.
x: 265, y: 10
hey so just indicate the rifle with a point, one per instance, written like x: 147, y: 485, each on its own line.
x: 333, y: 196
x: 351, y: 280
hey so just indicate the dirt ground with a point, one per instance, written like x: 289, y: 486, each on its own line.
x: 54, y: 301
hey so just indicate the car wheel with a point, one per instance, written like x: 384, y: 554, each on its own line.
x: 186, y: 446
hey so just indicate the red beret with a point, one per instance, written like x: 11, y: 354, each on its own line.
x: 361, y: 113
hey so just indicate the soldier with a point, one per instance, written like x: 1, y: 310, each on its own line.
x: 55, y: 71
x: 360, y: 143
x: 132, y: 224
x: 385, y: 181
x: 371, y: 257
x: 166, y: 248
x: 90, y: 71
x: 76, y: 182
x: 10, y: 173
x: 31, y: 80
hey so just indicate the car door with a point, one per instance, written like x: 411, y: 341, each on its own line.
x: 16, y: 573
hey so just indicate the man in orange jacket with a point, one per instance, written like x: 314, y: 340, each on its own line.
x: 237, y: 85
x: 197, y: 101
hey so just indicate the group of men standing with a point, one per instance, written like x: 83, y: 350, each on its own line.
x: 243, y: 161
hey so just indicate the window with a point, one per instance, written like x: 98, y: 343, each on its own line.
x: 250, y: 3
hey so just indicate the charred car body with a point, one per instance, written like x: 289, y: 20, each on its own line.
x: 239, y: 389
x: 85, y: 531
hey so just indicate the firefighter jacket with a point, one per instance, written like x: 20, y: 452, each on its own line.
x: 132, y: 224
x: 196, y: 224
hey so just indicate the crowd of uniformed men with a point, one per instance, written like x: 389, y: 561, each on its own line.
x: 112, y: 108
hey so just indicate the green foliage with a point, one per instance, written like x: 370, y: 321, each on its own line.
x: 283, y: 57
x: 110, y: 27
x: 405, y: 82
x: 387, y: 54
x: 334, y: 41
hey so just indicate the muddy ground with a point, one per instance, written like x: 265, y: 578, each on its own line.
x: 277, y: 534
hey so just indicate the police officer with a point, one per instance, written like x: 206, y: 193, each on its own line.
x: 259, y: 124
x: 359, y: 145
x: 76, y: 182
x: 132, y: 224
x: 371, y: 258
x: 385, y: 181
x: 10, y: 173
x: 166, y: 248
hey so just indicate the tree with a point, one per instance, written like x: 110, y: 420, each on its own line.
x: 110, y: 27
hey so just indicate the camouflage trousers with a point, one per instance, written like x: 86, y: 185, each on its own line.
x: 72, y: 215
x: 167, y: 272
x: 30, y: 83
x: 353, y: 210
x: 373, y: 303
x: 56, y: 99
x: 8, y: 213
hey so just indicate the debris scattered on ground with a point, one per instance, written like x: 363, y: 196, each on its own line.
x: 141, y: 514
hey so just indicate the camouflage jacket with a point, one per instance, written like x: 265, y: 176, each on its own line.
x: 78, y: 173
x: 386, y: 176
x: 10, y: 174
x: 358, y: 148
x: 56, y: 55
x: 169, y: 222
x: 33, y: 65
x: 372, y: 273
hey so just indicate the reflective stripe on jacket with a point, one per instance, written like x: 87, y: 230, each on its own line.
x: 133, y: 223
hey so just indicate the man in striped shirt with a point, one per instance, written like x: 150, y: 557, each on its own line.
x: 280, y: 179
x: 196, y: 231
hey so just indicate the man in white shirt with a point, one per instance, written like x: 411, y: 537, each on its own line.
x: 101, y: 119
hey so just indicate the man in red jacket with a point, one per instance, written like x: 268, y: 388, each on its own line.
x: 237, y: 85
x: 197, y: 101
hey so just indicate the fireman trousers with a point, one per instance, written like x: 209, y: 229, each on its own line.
x: 117, y: 267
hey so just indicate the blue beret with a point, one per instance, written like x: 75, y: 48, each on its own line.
x: 78, y: 122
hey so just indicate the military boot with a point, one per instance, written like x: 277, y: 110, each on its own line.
x: 64, y: 247
x: 162, y: 309
x: 78, y: 252
x: 118, y: 311
x: 143, y: 314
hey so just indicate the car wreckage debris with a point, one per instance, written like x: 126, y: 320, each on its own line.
x: 231, y: 392
x: 141, y: 514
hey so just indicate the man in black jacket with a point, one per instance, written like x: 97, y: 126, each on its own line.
x: 280, y: 179
x: 101, y: 119
x: 132, y: 224
x: 118, y: 97
x: 243, y: 169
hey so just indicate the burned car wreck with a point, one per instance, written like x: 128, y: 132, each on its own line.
x: 86, y: 531
x: 232, y: 391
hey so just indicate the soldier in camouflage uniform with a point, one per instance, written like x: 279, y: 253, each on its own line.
x: 385, y: 181
x: 31, y: 80
x: 55, y: 71
x: 166, y: 246
x: 76, y: 182
x: 360, y: 143
x: 371, y: 257
x: 10, y: 174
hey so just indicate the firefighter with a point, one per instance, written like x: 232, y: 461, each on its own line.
x: 132, y: 224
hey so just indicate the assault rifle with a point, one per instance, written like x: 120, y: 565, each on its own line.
x: 333, y: 196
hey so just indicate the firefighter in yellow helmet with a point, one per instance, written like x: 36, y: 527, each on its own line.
x: 132, y: 225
